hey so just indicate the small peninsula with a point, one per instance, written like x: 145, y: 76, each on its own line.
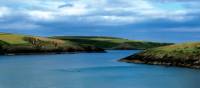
x: 12, y: 44
x: 111, y: 43
x: 183, y: 55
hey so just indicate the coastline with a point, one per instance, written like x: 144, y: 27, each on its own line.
x: 50, y: 53
x: 165, y: 61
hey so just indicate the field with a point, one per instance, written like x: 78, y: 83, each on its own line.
x: 111, y: 42
x: 13, y: 38
x: 15, y: 43
x: 185, y: 54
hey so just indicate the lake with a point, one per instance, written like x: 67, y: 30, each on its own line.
x: 91, y: 70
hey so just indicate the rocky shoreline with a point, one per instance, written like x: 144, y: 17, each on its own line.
x: 181, y: 55
x: 31, y: 50
x: 175, y: 64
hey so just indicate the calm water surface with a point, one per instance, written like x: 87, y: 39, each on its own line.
x: 90, y: 70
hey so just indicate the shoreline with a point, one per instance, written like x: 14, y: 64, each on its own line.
x: 180, y: 55
x: 161, y: 63
x: 50, y: 53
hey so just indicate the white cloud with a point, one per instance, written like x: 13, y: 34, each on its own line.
x: 106, y: 11
x: 111, y: 20
x: 40, y: 15
x: 60, y: 13
x: 75, y: 10
x: 4, y: 11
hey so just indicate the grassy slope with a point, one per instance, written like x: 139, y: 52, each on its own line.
x: 15, y: 39
x: 186, y: 54
x: 12, y: 38
x: 14, y: 43
x: 110, y: 42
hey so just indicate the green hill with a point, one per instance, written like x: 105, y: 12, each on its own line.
x: 110, y: 42
x: 17, y: 44
x: 186, y: 54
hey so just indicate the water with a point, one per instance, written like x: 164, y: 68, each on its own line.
x: 90, y: 70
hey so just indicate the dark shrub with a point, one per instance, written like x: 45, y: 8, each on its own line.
x: 2, y: 44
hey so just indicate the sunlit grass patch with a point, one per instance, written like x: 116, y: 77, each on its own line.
x: 13, y: 38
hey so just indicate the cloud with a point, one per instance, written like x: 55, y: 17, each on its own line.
x: 75, y: 10
x: 65, y: 5
x: 100, y: 12
x: 159, y: 20
x: 4, y: 11
x: 40, y: 15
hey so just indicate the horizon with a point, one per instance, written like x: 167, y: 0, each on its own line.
x: 174, y: 21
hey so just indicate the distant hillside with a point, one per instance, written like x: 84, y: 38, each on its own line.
x: 186, y: 54
x: 17, y: 44
x: 110, y: 42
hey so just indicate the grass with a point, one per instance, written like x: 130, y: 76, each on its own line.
x: 179, y: 51
x: 185, y: 54
x: 13, y: 38
x: 20, y: 42
x: 109, y: 42
x: 3, y: 43
x: 14, y: 43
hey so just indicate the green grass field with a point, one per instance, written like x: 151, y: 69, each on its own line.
x: 185, y: 54
x: 179, y: 51
x: 110, y: 42
x: 21, y: 43
x: 17, y: 39
x: 16, y: 44
x: 13, y: 38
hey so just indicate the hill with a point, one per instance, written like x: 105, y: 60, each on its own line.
x: 110, y: 42
x: 21, y: 44
x: 186, y: 55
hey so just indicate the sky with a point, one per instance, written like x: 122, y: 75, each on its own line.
x: 149, y: 20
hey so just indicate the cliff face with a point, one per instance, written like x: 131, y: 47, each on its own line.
x: 185, y: 55
x: 21, y: 44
